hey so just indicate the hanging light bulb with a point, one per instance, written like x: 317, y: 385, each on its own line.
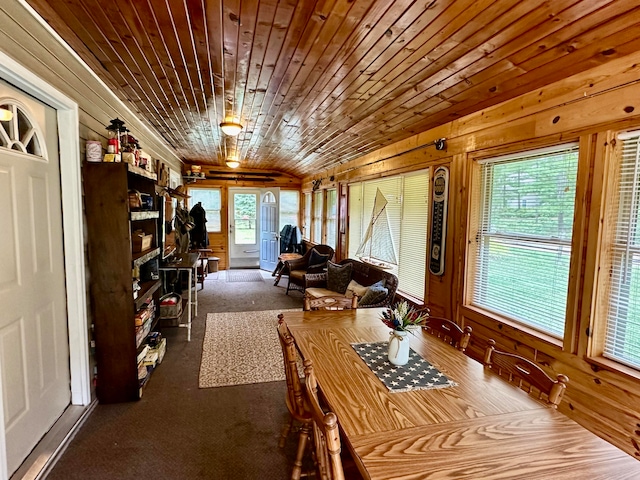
x: 5, y: 115
x: 231, y: 128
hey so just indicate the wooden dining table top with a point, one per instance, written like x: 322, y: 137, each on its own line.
x: 481, y: 428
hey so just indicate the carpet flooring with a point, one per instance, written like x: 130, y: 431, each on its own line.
x: 180, y: 431
x: 237, y: 276
x: 241, y: 348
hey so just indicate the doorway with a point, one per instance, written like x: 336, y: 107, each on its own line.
x: 44, y: 343
x: 253, y: 228
x: 34, y: 345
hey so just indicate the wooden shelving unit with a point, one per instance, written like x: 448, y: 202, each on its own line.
x: 113, y: 306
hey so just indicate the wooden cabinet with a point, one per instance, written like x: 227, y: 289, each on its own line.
x: 113, y: 264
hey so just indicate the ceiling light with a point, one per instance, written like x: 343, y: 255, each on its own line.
x: 231, y: 128
x: 233, y: 163
x: 5, y: 115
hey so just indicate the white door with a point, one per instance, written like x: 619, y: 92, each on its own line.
x: 244, y: 219
x: 269, y: 223
x: 34, y: 348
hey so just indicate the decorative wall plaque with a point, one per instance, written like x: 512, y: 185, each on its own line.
x: 439, y: 220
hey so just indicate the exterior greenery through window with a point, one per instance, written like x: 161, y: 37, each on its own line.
x: 524, y: 235
x: 289, y: 208
x: 332, y: 217
x: 317, y: 216
x: 306, y: 221
x: 622, y: 337
x: 211, y: 202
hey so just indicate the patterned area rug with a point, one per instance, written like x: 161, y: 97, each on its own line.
x: 241, y: 348
x: 244, y: 276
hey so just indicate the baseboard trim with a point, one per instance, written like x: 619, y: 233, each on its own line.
x: 49, y: 450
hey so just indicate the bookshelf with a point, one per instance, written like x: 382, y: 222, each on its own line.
x: 116, y: 307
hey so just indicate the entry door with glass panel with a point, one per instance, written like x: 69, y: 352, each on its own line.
x: 244, y: 238
x: 269, y: 231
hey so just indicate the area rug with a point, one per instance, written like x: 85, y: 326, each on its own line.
x: 241, y: 348
x: 244, y: 276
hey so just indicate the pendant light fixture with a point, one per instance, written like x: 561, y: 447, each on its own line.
x: 233, y: 163
x: 231, y: 128
x: 5, y: 115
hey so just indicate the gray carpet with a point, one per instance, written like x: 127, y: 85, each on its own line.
x: 179, y: 431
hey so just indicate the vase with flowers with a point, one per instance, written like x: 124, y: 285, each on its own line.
x: 401, y: 319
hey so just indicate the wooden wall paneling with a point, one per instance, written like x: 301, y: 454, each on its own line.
x: 601, y: 223
x: 578, y: 240
x: 460, y: 172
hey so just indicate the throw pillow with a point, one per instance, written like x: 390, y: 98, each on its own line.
x: 317, y: 262
x: 375, y: 293
x: 355, y: 288
x: 338, y: 277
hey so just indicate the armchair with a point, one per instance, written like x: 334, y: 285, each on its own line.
x: 313, y: 261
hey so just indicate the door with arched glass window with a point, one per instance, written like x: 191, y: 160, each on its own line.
x: 269, y: 234
x: 34, y: 342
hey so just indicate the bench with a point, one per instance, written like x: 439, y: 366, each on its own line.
x: 364, y: 274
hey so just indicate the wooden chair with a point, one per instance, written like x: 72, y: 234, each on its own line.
x: 295, y: 398
x: 326, y: 434
x: 330, y: 303
x: 448, y: 331
x: 526, y: 374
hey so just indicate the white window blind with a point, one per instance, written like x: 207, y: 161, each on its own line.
x: 306, y: 221
x: 355, y: 218
x: 413, y: 235
x: 332, y: 217
x: 524, y: 237
x: 407, y: 210
x: 317, y: 217
x: 622, y: 338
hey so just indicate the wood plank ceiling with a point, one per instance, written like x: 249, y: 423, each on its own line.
x: 317, y: 83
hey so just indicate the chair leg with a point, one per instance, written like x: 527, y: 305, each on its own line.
x: 285, y: 432
x: 305, y: 431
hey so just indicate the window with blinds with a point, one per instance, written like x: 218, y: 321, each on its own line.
x: 306, y: 221
x: 317, y: 217
x: 407, y: 210
x: 524, y: 236
x: 622, y: 337
x: 332, y: 217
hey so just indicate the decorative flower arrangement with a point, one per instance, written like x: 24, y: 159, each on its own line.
x: 403, y: 316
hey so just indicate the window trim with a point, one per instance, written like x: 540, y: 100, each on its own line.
x: 606, y: 175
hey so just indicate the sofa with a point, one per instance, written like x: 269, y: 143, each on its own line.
x: 363, y: 278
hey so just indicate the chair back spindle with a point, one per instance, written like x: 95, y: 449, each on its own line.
x: 526, y: 374
x: 449, y: 332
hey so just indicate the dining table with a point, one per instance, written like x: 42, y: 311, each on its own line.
x: 474, y: 425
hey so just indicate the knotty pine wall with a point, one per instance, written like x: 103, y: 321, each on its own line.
x: 590, y: 108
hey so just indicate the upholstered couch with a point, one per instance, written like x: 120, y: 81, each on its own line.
x: 365, y: 275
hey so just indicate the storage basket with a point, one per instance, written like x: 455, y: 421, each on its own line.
x: 171, y: 311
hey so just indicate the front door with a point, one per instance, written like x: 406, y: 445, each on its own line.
x: 34, y: 348
x: 244, y: 246
x: 269, y: 234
